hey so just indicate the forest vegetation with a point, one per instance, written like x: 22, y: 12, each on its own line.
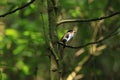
x: 31, y: 47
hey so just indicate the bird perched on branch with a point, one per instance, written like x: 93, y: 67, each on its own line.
x: 67, y: 37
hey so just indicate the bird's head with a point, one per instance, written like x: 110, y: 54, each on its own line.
x: 71, y: 31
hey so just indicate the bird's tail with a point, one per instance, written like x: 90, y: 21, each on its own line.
x: 63, y: 46
x: 61, y: 50
x: 64, y: 42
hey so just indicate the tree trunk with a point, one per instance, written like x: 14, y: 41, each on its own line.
x: 52, y: 16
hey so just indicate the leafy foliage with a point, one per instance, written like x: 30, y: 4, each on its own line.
x: 23, y: 48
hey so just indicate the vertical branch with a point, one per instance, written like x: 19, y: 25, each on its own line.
x: 52, y: 17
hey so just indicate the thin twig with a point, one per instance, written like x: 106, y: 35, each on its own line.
x: 19, y: 8
x: 86, y: 20
x: 96, y: 42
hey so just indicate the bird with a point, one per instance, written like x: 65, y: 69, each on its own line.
x: 67, y: 37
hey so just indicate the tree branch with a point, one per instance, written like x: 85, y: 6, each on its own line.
x: 86, y: 20
x: 90, y: 43
x: 19, y: 8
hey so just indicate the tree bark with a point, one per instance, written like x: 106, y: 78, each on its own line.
x: 52, y: 17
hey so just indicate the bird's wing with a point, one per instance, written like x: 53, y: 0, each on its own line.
x: 66, y: 36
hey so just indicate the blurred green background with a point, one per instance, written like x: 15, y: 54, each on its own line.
x: 23, y: 48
